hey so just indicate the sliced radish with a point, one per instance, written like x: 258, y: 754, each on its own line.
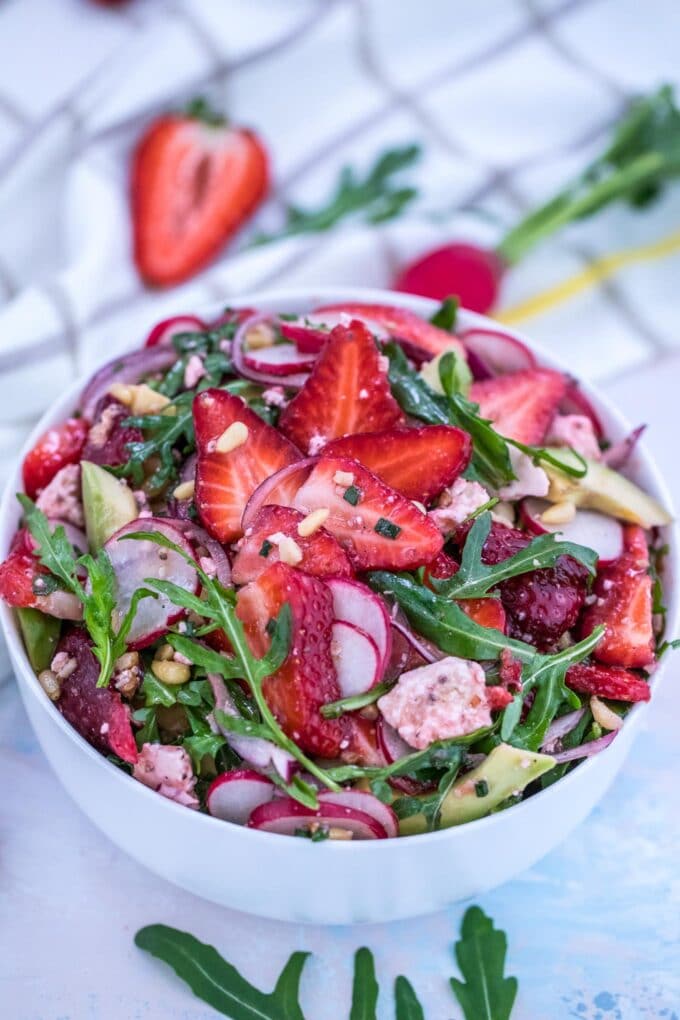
x: 595, y: 530
x: 75, y: 536
x: 366, y: 802
x: 233, y: 796
x: 576, y: 402
x: 279, y: 359
x: 240, y: 355
x: 356, y: 659
x: 390, y: 743
x: 308, y: 337
x: 163, y: 332
x: 287, y: 816
x: 134, y: 561
x: 356, y: 604
x: 498, y: 353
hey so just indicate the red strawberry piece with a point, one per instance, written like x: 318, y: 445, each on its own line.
x: 378, y: 528
x: 472, y: 273
x: 307, y: 678
x: 521, y: 405
x: 363, y: 747
x: 226, y: 481
x: 510, y: 671
x: 347, y: 392
x: 20, y: 572
x: 607, y: 682
x: 497, y: 697
x: 485, y: 612
x: 108, y: 440
x: 60, y: 445
x: 97, y: 713
x: 194, y: 182
x: 322, y: 555
x: 401, y: 324
x: 624, y: 606
x: 442, y: 566
x: 417, y: 462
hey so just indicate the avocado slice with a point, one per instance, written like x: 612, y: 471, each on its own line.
x: 506, y: 770
x: 41, y: 636
x: 602, y: 488
x: 108, y: 504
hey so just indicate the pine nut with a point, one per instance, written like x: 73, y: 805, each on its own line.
x: 260, y: 336
x: 140, y: 399
x: 49, y: 683
x: 164, y: 653
x: 185, y: 490
x: 312, y: 522
x: 170, y: 672
x: 336, y: 832
x: 559, y: 513
x: 232, y: 437
x: 289, y: 551
x: 345, y: 478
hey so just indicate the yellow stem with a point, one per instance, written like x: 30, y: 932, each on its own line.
x: 599, y: 270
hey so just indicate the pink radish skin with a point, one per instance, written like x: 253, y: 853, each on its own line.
x: 394, y: 748
x: 233, y: 796
x: 498, y: 353
x: 134, y: 561
x: 357, y: 605
x: 356, y: 659
x: 286, y: 816
x: 470, y: 272
x: 279, y: 359
x: 595, y: 530
x: 359, y: 800
x: 163, y: 332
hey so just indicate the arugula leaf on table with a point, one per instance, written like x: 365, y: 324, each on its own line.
x: 217, y: 982
x: 485, y: 993
x: 376, y: 197
x: 55, y: 552
x: 365, y: 987
x: 406, y: 1001
x: 474, y: 579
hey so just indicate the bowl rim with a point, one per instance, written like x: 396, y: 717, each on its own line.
x: 315, y: 295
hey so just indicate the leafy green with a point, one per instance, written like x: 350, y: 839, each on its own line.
x: 365, y: 987
x: 455, y: 374
x: 642, y: 156
x: 475, y: 579
x: 405, y: 1001
x: 375, y: 196
x: 218, y: 983
x: 485, y: 993
x: 423, y: 766
x: 447, y: 313
x: 337, y: 708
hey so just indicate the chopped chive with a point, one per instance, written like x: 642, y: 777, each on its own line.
x: 386, y: 528
x: 481, y: 787
x: 265, y: 548
x: 271, y: 627
x: 352, y: 495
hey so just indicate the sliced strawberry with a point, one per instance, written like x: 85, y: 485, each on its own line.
x: 307, y: 679
x: 378, y: 527
x: 363, y: 747
x: 417, y: 462
x: 485, y: 612
x: 521, y: 405
x: 60, y: 445
x: 193, y: 184
x: 624, y: 606
x: 441, y: 567
x: 20, y: 572
x: 226, y: 481
x: 108, y: 441
x: 97, y: 713
x: 607, y: 682
x: 322, y: 555
x: 401, y: 324
x: 347, y: 392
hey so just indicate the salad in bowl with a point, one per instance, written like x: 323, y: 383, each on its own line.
x: 346, y: 574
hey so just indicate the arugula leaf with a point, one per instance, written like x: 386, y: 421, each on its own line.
x: 375, y: 196
x: 447, y: 313
x: 164, y: 433
x: 485, y: 994
x: 474, y: 579
x: 333, y: 709
x: 365, y: 987
x: 217, y: 982
x: 406, y: 1001
x: 454, y: 374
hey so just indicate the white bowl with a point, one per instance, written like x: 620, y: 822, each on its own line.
x: 294, y: 879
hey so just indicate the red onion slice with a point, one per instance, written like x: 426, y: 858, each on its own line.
x: 240, y: 359
x: 617, y: 455
x: 424, y: 647
x: 200, y: 536
x: 128, y: 368
x: 585, y: 750
x: 560, y: 727
x: 269, y: 485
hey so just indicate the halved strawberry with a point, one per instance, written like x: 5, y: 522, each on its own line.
x: 441, y: 567
x: 401, y: 324
x: 485, y: 612
x: 607, y: 682
x: 307, y: 678
x: 226, y: 481
x: 347, y: 392
x: 194, y: 181
x: 379, y: 528
x: 624, y: 606
x: 20, y: 572
x: 417, y: 462
x: 322, y: 555
x: 521, y: 405
x: 60, y: 445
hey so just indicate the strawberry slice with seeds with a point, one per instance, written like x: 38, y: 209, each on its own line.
x: 401, y: 324
x: 377, y: 527
x: 485, y: 612
x: 419, y: 462
x: 624, y: 606
x: 320, y: 554
x: 307, y: 679
x: 347, y: 392
x: 194, y: 181
x: 60, y: 445
x: 521, y: 405
x: 607, y: 682
x: 236, y: 452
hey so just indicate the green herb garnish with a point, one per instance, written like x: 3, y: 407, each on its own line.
x: 352, y: 704
x: 386, y: 528
x: 485, y: 993
x: 352, y: 495
x: 446, y: 315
